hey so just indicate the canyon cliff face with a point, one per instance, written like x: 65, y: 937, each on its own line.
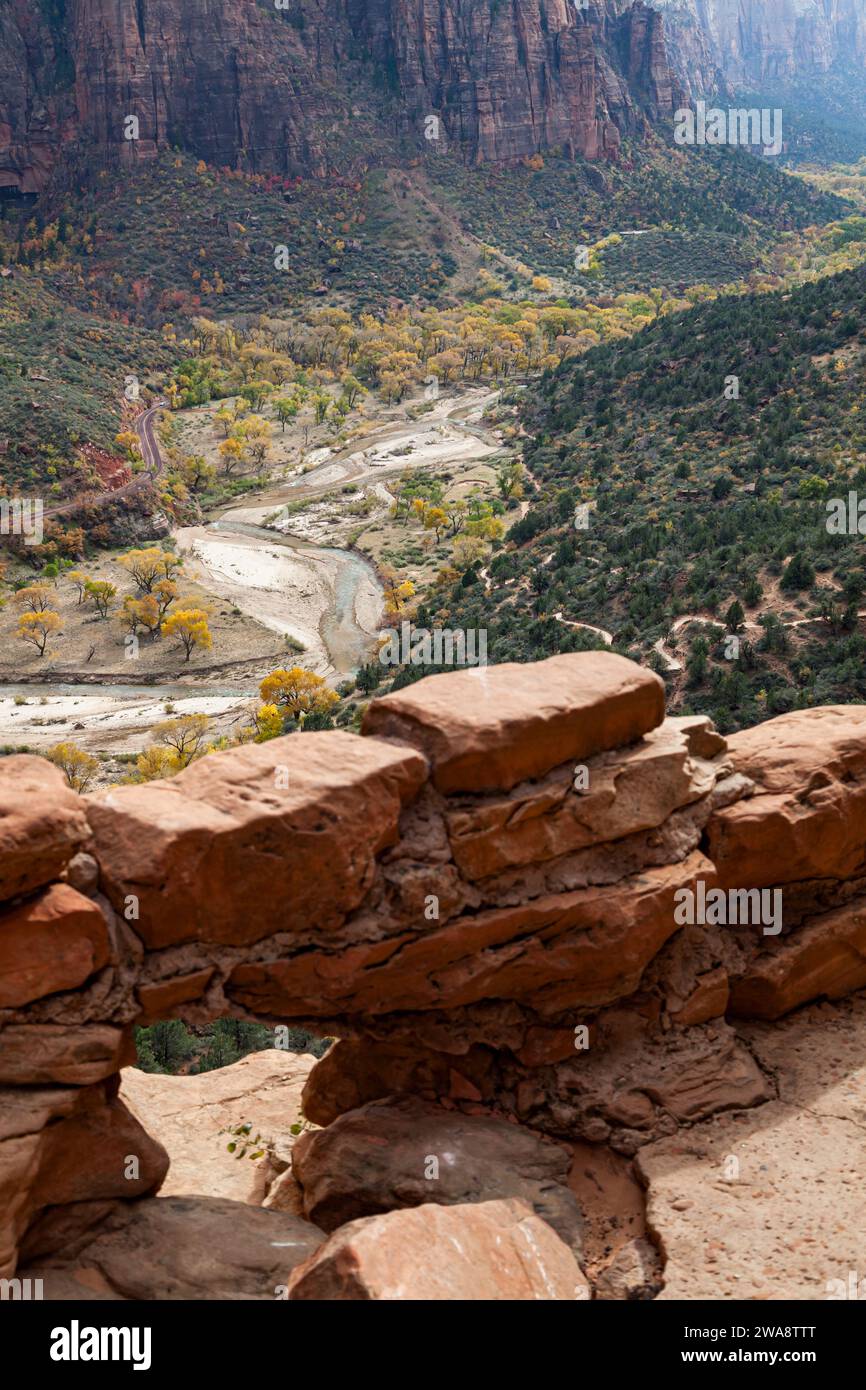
x: 712, y: 43
x: 322, y: 86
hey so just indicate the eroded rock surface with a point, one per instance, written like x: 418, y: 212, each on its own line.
x: 184, y: 1248
x: 403, y: 1152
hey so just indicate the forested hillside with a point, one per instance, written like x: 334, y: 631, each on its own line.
x: 698, y: 504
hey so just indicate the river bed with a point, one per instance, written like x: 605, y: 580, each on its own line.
x: 327, y: 600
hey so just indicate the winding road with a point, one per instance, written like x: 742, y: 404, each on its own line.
x: 147, y: 438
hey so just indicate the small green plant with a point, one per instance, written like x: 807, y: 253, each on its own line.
x: 241, y: 1142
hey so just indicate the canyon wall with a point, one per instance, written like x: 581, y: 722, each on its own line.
x: 713, y: 43
x: 521, y: 892
x: 321, y: 86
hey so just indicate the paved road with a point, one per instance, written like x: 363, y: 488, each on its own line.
x: 144, y: 428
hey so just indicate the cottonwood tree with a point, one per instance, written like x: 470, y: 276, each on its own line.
x: 78, y: 767
x: 149, y: 566
x: 139, y: 614
x: 100, y: 592
x: 80, y: 580
x: 190, y: 627
x: 184, y: 736
x: 299, y: 691
x: 39, y: 628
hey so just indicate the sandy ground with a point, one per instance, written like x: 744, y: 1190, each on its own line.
x: 272, y: 582
x: 107, y: 722
x: 328, y: 599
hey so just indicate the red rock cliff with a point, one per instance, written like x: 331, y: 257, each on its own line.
x: 324, y: 84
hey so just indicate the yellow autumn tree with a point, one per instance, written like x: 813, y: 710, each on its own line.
x: 139, y: 614
x: 148, y: 567
x: 165, y: 592
x: 79, y: 579
x: 79, y: 768
x: 184, y: 736
x: 100, y: 593
x: 39, y: 628
x: 268, y: 721
x: 299, y: 691
x: 397, y: 592
x: 154, y: 763
x: 190, y: 627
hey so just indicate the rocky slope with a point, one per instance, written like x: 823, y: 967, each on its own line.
x: 499, y: 944
x: 746, y: 42
x: 323, y: 84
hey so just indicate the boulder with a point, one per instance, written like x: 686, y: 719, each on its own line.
x: 282, y: 835
x: 489, y: 728
x: 62, y: 1145
x: 184, y: 1248
x: 489, y: 1251
x: 403, y: 1152
x: 49, y: 943
x: 73, y: 1054
x: 42, y: 824
x: 807, y: 819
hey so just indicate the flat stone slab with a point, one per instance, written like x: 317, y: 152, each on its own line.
x: 488, y: 728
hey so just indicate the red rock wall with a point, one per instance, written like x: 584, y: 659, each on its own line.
x: 438, y: 895
x: 324, y: 85
x: 747, y: 42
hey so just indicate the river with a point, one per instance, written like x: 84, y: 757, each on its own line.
x: 327, y: 599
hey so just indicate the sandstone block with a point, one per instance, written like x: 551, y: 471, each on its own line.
x: 808, y: 817
x: 42, y: 824
x: 588, y: 948
x: 825, y: 959
x: 489, y: 728
x: 73, y: 1054
x: 279, y: 836
x: 50, y: 943
x: 629, y: 790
